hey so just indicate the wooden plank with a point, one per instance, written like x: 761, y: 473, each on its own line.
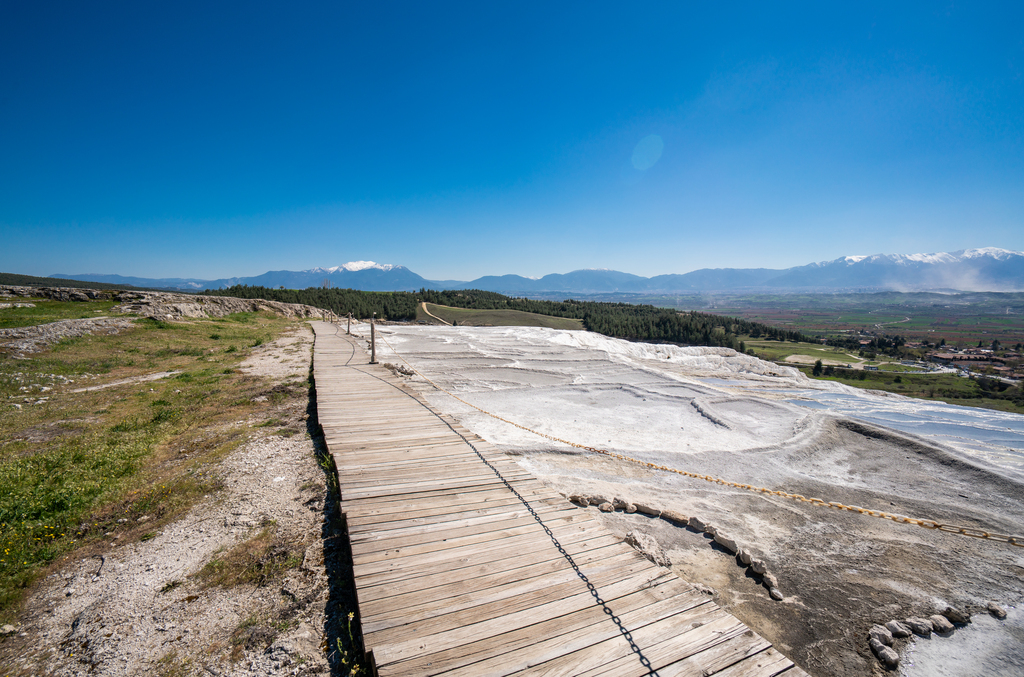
x: 372, y: 563
x: 535, y: 644
x: 715, y: 626
x: 548, y: 581
x: 371, y: 542
x: 472, y: 573
x: 462, y: 627
x: 672, y: 657
x: 445, y: 513
x: 556, y: 643
x: 481, y: 493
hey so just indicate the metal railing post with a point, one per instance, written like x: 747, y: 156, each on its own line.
x: 373, y: 339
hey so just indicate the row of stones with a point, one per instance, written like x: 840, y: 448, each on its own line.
x: 882, y: 637
x: 744, y: 556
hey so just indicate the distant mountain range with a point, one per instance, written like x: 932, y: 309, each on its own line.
x: 988, y: 269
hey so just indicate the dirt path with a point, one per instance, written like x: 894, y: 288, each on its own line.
x: 165, y: 606
x: 424, y: 304
x: 856, y: 363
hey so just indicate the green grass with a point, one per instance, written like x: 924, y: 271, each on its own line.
x: 778, y: 351
x: 497, y: 318
x: 50, y: 311
x: 257, y: 560
x: 948, y: 388
x: 123, y: 460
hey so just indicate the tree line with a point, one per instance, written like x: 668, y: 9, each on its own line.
x: 619, y: 320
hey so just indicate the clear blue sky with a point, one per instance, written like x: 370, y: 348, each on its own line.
x: 217, y: 139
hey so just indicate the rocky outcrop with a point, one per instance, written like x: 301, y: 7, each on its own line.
x: 155, y: 305
x: 21, y: 340
x: 162, y: 306
x: 166, y: 305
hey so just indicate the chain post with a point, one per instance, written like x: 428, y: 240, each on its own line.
x: 373, y: 339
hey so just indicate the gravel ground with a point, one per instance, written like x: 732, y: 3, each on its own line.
x: 138, y: 609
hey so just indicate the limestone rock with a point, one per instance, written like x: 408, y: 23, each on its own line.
x: 776, y: 594
x: 996, y: 610
x: 8, y: 630
x: 745, y: 556
x: 630, y: 508
x: 606, y: 507
x: 648, y: 547
x: 598, y: 500
x: 710, y: 530
x: 758, y: 567
x: 898, y: 629
x: 580, y: 500
x: 941, y: 624
x: 956, y: 616
x: 675, y: 517
x: 769, y: 580
x: 648, y: 510
x: 726, y: 542
x: 920, y: 626
x: 886, y: 655
x: 697, y: 523
x: 881, y: 633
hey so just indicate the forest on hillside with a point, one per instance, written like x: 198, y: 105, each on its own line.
x: 619, y: 320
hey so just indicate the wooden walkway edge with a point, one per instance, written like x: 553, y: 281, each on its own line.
x: 465, y: 564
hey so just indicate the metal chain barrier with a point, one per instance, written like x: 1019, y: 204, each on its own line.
x: 924, y: 523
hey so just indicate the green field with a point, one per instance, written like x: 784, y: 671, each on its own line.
x: 778, y: 351
x: 496, y: 318
x: 949, y: 388
x: 960, y: 318
x: 49, y: 311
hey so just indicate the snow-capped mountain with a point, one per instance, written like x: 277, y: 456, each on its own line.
x: 354, y: 266
x: 985, y: 269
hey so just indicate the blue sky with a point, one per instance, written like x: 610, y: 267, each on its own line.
x: 218, y: 139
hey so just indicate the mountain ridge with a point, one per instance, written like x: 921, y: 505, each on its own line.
x: 979, y: 269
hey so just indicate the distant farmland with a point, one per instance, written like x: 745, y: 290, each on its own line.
x: 958, y: 318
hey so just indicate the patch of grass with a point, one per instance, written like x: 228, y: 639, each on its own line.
x: 253, y: 634
x: 173, y: 665
x: 257, y: 560
x: 46, y: 311
x: 122, y: 460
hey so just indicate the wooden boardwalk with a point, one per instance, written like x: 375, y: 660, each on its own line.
x: 465, y: 564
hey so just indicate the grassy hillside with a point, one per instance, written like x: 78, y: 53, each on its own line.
x: 78, y: 467
x: 16, y: 280
x: 497, y: 318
